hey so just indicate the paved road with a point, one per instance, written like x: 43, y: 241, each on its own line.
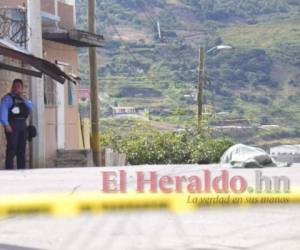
x: 269, y: 227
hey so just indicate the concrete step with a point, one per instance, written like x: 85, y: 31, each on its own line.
x: 73, y: 158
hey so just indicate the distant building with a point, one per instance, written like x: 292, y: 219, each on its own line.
x: 286, y: 153
x: 124, y: 110
x: 83, y: 94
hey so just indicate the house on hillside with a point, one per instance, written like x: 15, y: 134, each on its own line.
x: 286, y: 153
x: 123, y: 111
x: 38, y: 43
x: 83, y: 94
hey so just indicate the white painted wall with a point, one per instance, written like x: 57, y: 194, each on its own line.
x: 37, y: 84
x: 60, y: 115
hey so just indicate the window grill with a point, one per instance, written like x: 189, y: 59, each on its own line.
x: 50, y: 94
x: 13, y: 25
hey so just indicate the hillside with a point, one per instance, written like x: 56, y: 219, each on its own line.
x: 259, y: 80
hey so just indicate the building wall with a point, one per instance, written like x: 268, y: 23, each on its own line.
x: 48, y: 6
x: 65, y: 12
x: 6, y: 78
x: 67, y: 55
x: 51, y: 138
x: 12, y: 3
x: 52, y: 52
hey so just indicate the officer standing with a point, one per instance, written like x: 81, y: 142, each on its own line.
x: 15, y: 109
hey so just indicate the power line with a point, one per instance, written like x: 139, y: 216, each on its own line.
x: 144, y: 11
x: 149, y: 77
x: 130, y: 52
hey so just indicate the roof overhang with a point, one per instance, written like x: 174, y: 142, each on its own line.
x: 21, y: 70
x: 43, y: 66
x: 74, y: 37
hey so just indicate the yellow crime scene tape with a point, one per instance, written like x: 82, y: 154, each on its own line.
x: 74, y: 204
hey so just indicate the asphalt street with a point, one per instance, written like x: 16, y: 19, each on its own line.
x: 253, y: 227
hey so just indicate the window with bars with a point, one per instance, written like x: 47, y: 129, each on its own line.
x: 50, y: 93
x: 50, y: 97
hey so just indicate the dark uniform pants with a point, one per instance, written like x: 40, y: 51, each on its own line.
x: 16, y: 144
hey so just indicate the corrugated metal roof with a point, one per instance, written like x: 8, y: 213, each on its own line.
x: 42, y: 65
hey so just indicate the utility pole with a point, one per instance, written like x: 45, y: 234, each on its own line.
x: 94, y: 90
x: 36, y: 88
x: 200, y: 85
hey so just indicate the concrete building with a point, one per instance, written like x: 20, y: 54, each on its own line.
x: 286, y: 153
x: 42, y: 51
x: 123, y: 111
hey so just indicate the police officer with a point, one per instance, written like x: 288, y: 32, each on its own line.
x: 15, y: 109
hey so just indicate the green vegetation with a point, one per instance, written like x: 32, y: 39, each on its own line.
x: 250, y: 10
x: 263, y: 35
x: 146, y: 145
x: 258, y: 81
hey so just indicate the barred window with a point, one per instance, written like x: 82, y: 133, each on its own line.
x: 50, y: 97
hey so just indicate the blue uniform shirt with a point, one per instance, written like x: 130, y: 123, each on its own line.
x: 6, y: 104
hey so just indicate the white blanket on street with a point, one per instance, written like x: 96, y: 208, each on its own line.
x: 243, y: 156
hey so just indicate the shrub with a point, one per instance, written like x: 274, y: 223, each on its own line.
x: 145, y: 145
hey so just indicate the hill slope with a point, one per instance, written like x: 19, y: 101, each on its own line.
x: 259, y: 80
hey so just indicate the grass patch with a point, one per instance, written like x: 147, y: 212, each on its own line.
x: 263, y: 35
